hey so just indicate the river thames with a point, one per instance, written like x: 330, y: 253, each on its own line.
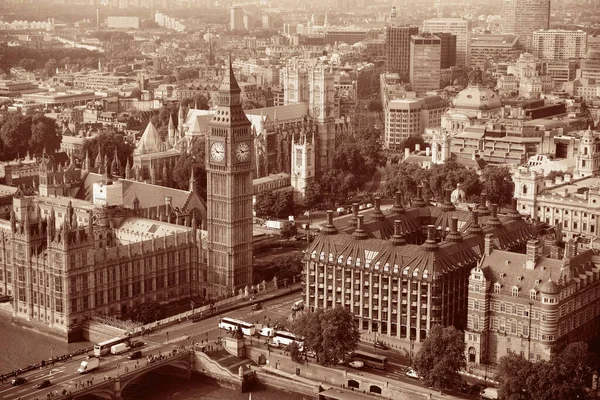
x: 20, y: 347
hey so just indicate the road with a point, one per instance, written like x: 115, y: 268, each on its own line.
x: 64, y: 375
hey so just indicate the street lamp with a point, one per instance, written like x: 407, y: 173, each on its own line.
x: 51, y: 350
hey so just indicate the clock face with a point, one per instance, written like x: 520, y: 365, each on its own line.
x: 217, y: 151
x: 242, y: 152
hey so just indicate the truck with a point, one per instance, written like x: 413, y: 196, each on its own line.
x: 119, y: 348
x: 88, y: 365
x: 274, y: 224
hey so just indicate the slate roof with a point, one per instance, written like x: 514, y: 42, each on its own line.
x: 150, y: 142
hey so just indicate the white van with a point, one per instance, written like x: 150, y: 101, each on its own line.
x: 119, y: 348
x: 489, y: 393
x: 267, y: 332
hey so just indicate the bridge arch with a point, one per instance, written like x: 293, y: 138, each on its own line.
x: 353, y: 384
x: 375, y: 389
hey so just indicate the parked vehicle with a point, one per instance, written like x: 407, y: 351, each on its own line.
x: 44, y: 384
x: 18, y: 381
x: 88, y: 365
x: 380, y: 345
x: 298, y: 306
x: 119, y: 348
x: 257, y: 306
x: 489, y: 393
x: 411, y: 373
x: 135, y: 345
x: 341, y: 210
x: 356, y: 364
x: 267, y: 332
x: 135, y: 355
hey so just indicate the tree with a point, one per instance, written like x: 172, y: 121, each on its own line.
x: 411, y: 142
x: 289, y: 230
x: 404, y: 177
x: 44, y: 135
x: 29, y: 64
x: 108, y: 141
x: 145, y: 313
x: 187, y: 74
x: 440, y: 358
x: 448, y: 175
x: 375, y: 106
x: 250, y: 104
x: 312, y: 195
x: 237, y: 333
x: 554, y: 174
x: 563, y: 377
x: 15, y: 135
x: 329, y: 334
x: 50, y: 67
x: 274, y: 204
x: 336, y: 186
x: 201, y: 102
x: 192, y: 159
x: 498, y: 184
x: 295, y: 353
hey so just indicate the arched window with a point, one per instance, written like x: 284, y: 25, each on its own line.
x: 472, y: 354
x: 524, y: 190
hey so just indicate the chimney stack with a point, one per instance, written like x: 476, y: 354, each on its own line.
x: 359, y: 233
x: 488, y: 244
x: 475, y: 228
x: 353, y: 219
x: 532, y: 254
x: 329, y: 228
x: 377, y: 213
x: 430, y: 244
x: 397, y: 238
x: 398, y: 208
x: 454, y: 235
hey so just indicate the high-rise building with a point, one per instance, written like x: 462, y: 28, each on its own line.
x: 425, y: 55
x: 236, y: 19
x: 447, y: 50
x: 593, y: 42
x: 229, y: 171
x: 523, y: 17
x: 397, y: 48
x: 493, y: 48
x: 561, y: 72
x: 456, y: 26
x: 559, y: 44
x: 590, y: 67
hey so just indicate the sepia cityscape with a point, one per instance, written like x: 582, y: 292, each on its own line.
x: 336, y: 200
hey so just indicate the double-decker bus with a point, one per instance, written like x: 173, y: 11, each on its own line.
x: 232, y: 325
x: 103, y: 348
x: 286, y: 338
x: 370, y: 359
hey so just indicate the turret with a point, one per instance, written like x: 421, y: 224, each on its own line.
x: 398, y: 208
x: 418, y: 200
x: 397, y: 238
x: 329, y: 228
x: 359, y: 233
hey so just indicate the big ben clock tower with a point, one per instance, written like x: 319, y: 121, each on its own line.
x: 229, y: 168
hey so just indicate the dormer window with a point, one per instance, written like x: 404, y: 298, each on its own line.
x: 532, y: 294
x: 497, y: 287
x: 515, y: 291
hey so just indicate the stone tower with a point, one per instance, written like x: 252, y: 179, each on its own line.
x: 229, y: 170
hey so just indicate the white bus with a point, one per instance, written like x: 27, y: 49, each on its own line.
x: 103, y: 348
x: 286, y: 338
x: 230, y: 324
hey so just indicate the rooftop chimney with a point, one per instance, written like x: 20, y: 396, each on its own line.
x: 488, y: 244
x: 398, y: 208
x: 482, y: 208
x: 447, y: 204
x: 359, y: 233
x: 494, y: 221
x: 570, y: 249
x: 377, y: 214
x: 513, y: 213
x: 475, y: 228
x: 418, y: 201
x: 454, y: 235
x: 354, y: 218
x: 329, y: 228
x: 430, y: 244
x: 397, y: 238
x: 532, y: 254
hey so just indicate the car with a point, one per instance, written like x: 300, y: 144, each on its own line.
x: 43, y: 384
x: 257, y: 306
x: 356, y: 364
x: 380, y: 345
x: 135, y: 355
x: 135, y: 345
x: 18, y: 381
x: 411, y: 373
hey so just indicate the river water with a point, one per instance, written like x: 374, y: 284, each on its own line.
x: 20, y: 347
